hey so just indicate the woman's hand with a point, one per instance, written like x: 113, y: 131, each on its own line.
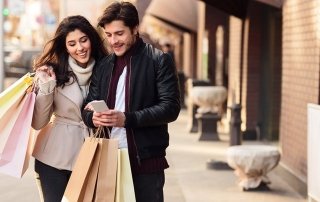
x: 89, y: 107
x: 45, y: 74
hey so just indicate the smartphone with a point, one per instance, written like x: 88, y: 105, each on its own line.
x: 99, y: 105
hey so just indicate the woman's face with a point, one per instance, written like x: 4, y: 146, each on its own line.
x: 79, y: 47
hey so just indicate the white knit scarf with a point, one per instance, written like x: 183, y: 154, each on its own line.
x: 83, y: 74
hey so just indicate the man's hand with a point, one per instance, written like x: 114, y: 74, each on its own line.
x: 109, y: 118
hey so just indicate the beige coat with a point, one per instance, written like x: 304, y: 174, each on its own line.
x: 61, y: 135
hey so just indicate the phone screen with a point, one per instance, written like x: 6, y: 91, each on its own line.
x: 99, y: 105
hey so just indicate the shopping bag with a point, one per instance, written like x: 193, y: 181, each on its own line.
x: 8, y: 120
x: 14, y: 159
x: 107, y: 173
x: 94, y: 174
x: 14, y: 92
x: 90, y: 185
x: 75, y: 189
x: 125, y: 189
x: 12, y: 100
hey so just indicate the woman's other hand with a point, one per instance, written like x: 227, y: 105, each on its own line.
x: 89, y: 107
x: 45, y: 74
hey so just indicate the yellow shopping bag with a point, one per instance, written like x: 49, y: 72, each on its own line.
x: 124, y: 189
x: 14, y: 92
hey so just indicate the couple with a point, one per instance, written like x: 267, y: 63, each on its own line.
x: 138, y: 82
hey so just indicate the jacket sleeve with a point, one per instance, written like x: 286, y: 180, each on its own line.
x: 43, y: 108
x: 167, y: 108
x: 92, y: 95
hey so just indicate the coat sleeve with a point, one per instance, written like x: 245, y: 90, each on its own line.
x: 43, y: 108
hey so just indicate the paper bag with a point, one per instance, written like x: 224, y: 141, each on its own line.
x: 14, y: 92
x: 8, y: 120
x: 91, y: 181
x: 75, y: 189
x: 125, y: 188
x: 107, y: 174
x: 12, y: 99
x: 94, y: 175
x: 14, y: 159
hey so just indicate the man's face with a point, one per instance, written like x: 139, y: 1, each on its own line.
x: 120, y: 37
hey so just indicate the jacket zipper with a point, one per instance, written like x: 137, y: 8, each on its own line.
x: 129, y: 88
x: 109, y: 84
x: 106, y: 99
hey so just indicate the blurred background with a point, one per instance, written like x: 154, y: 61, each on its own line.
x: 264, y: 52
x: 28, y: 24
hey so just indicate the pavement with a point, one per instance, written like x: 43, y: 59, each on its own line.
x: 187, y: 180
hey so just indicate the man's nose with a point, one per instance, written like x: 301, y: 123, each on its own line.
x: 113, y: 40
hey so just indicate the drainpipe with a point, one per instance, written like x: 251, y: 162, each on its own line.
x: 235, y: 125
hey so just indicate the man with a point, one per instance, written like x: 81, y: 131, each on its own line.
x: 140, y: 86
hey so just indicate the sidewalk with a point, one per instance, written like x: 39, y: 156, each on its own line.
x: 18, y: 190
x: 187, y: 179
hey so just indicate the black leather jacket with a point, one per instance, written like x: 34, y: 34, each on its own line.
x: 153, y: 97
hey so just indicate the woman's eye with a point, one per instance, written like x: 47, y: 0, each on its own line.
x: 84, y: 39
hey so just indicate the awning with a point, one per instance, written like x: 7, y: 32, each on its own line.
x: 275, y: 3
x: 182, y: 14
x: 238, y: 8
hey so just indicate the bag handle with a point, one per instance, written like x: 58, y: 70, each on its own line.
x: 100, y: 132
x: 31, y: 80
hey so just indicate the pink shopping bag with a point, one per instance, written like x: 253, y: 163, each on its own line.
x: 14, y: 159
x: 8, y: 120
x: 11, y: 101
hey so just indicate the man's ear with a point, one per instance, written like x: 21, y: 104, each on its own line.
x: 136, y: 30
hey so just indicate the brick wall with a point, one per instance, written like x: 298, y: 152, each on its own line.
x: 300, y: 79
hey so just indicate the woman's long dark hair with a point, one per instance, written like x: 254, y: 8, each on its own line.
x: 55, y: 51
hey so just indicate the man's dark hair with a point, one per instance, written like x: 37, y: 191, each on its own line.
x: 124, y: 11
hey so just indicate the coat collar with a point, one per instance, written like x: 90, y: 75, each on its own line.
x: 72, y: 92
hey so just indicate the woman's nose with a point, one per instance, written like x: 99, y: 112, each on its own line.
x: 79, y: 47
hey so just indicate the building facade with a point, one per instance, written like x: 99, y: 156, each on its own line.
x: 273, y: 72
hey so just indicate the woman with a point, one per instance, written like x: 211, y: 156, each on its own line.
x: 63, y: 74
